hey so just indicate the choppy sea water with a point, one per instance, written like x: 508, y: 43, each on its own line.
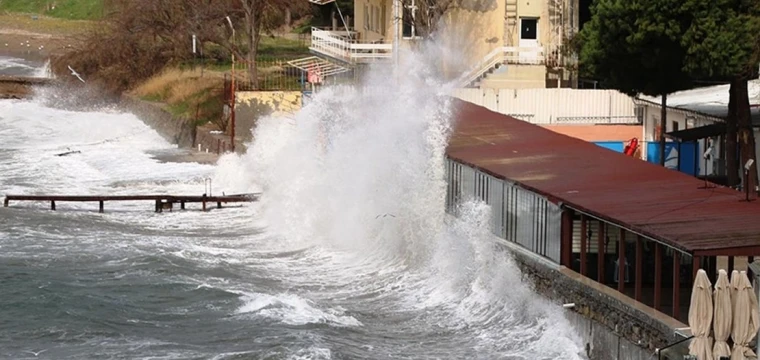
x: 348, y: 255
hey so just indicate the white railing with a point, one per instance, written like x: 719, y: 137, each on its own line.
x: 343, y: 45
x: 503, y: 55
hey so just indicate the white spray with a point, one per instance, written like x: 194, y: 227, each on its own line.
x: 359, y: 170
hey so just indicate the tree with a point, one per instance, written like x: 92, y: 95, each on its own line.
x: 138, y: 38
x: 424, y: 16
x: 723, y: 41
x: 259, y: 17
x: 634, y: 46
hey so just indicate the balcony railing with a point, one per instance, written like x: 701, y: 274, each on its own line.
x: 343, y: 45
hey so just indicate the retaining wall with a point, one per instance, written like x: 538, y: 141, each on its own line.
x: 253, y: 105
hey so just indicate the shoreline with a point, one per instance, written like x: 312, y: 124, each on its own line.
x: 41, y: 44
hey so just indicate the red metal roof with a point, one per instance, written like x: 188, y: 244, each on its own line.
x: 663, y: 204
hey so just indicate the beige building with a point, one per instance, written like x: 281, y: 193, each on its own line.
x: 493, y: 43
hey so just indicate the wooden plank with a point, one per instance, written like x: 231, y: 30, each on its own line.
x: 161, y: 200
x: 676, y: 284
x: 621, y: 261
x: 583, y: 244
x: 171, y: 198
x: 696, y: 263
x: 601, y: 251
x: 750, y: 259
x: 566, y: 247
x: 657, y: 275
x: 639, y: 256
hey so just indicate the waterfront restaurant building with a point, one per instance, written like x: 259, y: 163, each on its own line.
x: 638, y: 228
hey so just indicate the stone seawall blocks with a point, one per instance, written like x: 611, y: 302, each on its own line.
x: 611, y: 328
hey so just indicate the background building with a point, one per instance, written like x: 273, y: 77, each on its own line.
x: 499, y: 43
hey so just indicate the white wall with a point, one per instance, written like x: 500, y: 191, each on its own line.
x: 556, y: 106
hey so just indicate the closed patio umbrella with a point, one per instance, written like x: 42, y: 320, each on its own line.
x: 700, y: 317
x: 722, y: 316
x: 734, y: 287
x: 745, y: 322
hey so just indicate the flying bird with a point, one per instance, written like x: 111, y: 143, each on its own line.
x: 36, y: 353
x: 75, y: 74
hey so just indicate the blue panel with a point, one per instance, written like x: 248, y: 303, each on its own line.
x: 686, y: 156
x: 616, y: 146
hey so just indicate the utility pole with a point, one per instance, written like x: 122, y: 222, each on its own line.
x: 232, y: 91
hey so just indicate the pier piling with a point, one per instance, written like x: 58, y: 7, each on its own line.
x: 101, y: 210
x: 52, y: 205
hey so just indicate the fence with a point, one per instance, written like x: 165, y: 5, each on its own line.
x: 517, y: 215
x: 557, y: 106
x: 272, y: 75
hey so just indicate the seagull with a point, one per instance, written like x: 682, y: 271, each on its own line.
x: 385, y: 215
x: 36, y: 353
x: 75, y: 74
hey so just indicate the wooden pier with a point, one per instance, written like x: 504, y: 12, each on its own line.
x: 162, y: 202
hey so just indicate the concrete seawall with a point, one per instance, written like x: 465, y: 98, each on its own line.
x: 20, y: 87
x: 175, y: 130
x: 611, y: 326
x: 249, y: 107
